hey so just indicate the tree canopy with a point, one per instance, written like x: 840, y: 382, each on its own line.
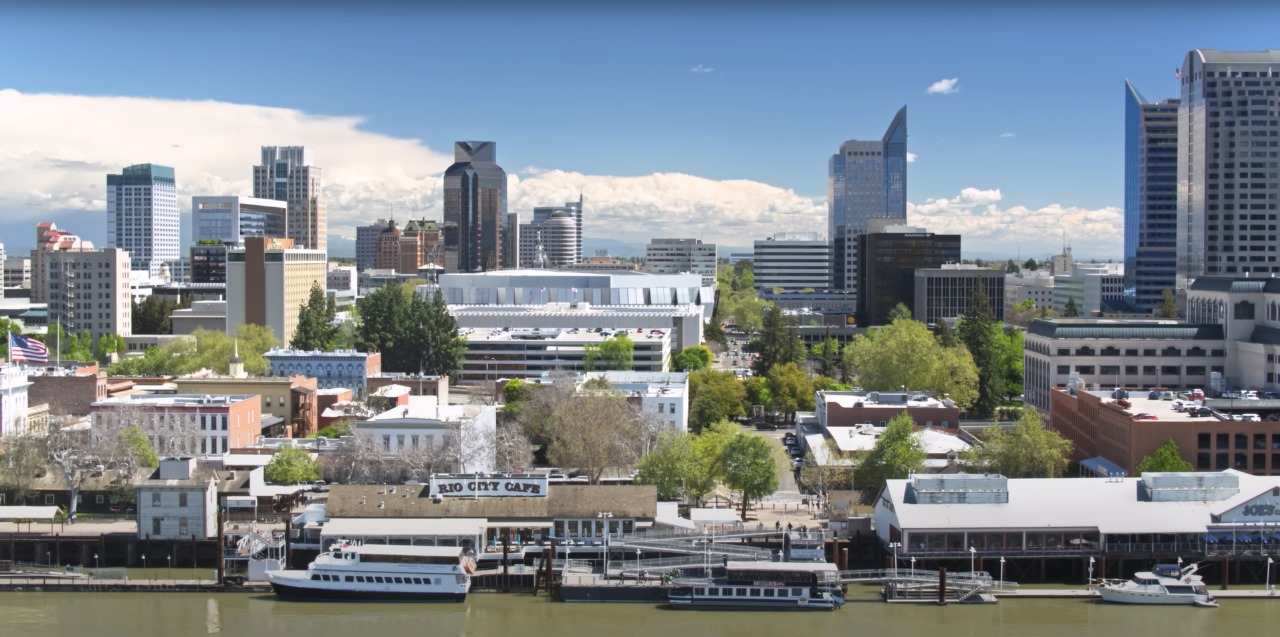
x: 688, y: 467
x: 615, y: 353
x: 714, y: 396
x: 202, y: 349
x: 1165, y: 458
x: 1070, y: 310
x: 1168, y: 305
x: 315, y: 331
x: 979, y: 334
x: 904, y: 354
x: 292, y: 465
x: 778, y: 343
x: 1029, y: 449
x: 896, y: 455
x: 791, y: 389
x: 692, y: 359
x: 414, y: 335
x: 749, y: 468
x: 152, y: 315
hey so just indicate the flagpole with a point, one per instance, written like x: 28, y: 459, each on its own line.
x: 58, y: 349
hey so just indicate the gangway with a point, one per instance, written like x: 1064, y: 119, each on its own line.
x: 920, y: 585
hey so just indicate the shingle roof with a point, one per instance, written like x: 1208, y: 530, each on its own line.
x: 562, y: 501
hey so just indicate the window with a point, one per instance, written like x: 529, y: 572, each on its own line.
x: 1203, y: 441
x: 1085, y: 369
x: 1149, y: 370
x: 349, y: 578
x: 1131, y: 370
x: 155, y: 498
x: 182, y: 499
x: 1223, y: 441
x: 1064, y: 369
x: 48, y: 498
x: 1202, y: 461
x: 155, y: 525
x: 182, y: 526
x: 99, y: 499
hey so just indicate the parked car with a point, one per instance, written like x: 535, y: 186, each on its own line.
x: 1120, y: 393
x: 1154, y: 395
x: 1168, y: 395
x: 1123, y: 403
x: 1145, y: 417
x: 1247, y: 417
x: 123, y: 508
x: 766, y: 426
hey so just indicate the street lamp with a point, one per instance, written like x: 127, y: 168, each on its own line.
x: 1002, y: 572
x: 1091, y: 570
x: 1269, y: 563
x: 606, y: 516
x: 170, y: 560
x: 96, y: 565
x: 973, y: 553
x: 48, y: 558
x: 637, y: 563
x: 913, y: 566
x: 895, y: 546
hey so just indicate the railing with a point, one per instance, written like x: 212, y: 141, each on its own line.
x: 1154, y: 547
x: 913, y: 575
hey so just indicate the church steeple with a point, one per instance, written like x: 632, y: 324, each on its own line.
x: 237, y: 364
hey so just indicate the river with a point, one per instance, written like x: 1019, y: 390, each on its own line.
x: 492, y: 615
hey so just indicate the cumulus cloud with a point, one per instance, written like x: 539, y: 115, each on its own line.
x: 944, y: 87
x: 911, y: 158
x: 57, y: 149
x: 1006, y: 135
x: 989, y: 227
x: 701, y: 69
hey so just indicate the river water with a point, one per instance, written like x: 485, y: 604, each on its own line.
x: 492, y: 615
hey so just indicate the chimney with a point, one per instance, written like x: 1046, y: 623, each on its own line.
x: 178, y: 468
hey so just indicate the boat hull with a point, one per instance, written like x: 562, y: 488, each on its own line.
x: 306, y: 593
x: 778, y: 605
x: 1113, y: 596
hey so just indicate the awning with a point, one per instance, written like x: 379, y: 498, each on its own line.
x: 522, y: 524
x: 1100, y: 466
x: 37, y: 513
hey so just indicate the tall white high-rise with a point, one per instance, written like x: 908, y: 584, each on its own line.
x: 287, y: 174
x: 1227, y: 158
x: 142, y: 216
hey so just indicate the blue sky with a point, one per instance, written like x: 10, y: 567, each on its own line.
x: 1038, y: 114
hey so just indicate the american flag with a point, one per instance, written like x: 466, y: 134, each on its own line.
x: 1177, y: 74
x: 27, y: 350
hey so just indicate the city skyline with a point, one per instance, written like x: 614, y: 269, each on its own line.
x: 1017, y: 129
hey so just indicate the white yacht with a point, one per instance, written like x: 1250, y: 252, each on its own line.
x: 1167, y: 584
x: 375, y: 572
x: 763, y: 586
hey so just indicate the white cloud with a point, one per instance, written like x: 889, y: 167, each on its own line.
x: 1006, y: 135
x: 57, y: 150
x: 990, y: 228
x: 944, y: 87
x: 911, y: 158
x: 701, y: 69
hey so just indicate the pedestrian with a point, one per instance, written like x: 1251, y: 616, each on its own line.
x: 788, y: 527
x: 777, y: 526
x: 644, y: 576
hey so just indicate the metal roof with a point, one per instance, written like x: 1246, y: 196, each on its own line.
x: 1265, y: 335
x: 1210, y: 56
x: 1226, y: 284
x: 401, y: 527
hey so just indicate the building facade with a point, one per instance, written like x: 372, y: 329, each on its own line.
x: 944, y: 294
x: 268, y: 282
x: 1248, y: 313
x: 866, y: 188
x: 536, y: 352
x: 90, y: 291
x: 142, y: 216
x: 288, y: 174
x: 1029, y: 285
x: 553, y: 242
x: 13, y: 400
x: 1138, y: 353
x: 540, y: 287
x: 347, y: 369
x: 888, y: 263
x: 291, y: 399
x: 475, y: 209
x: 209, y: 263
x: 186, y: 424
x: 229, y: 219
x: 1227, y: 193
x: 572, y: 208
x: 792, y: 262
x: 50, y: 239
x: 1095, y: 287
x: 178, y: 502
x: 663, y: 397
x: 17, y: 272
x: 678, y: 256
x: 682, y: 322
x: 1150, y: 197
x: 367, y: 244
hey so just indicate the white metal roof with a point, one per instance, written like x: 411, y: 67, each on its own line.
x: 1109, y: 505
x: 402, y: 527
x: 713, y: 516
x: 782, y: 566
x: 401, y: 549
x: 863, y: 438
x: 669, y: 515
x: 28, y: 513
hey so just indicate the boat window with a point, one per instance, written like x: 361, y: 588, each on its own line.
x: 409, y: 559
x: 768, y: 592
x: 315, y: 577
x: 349, y: 578
x: 701, y: 591
x: 713, y: 592
x: 401, y: 580
x: 378, y: 580
x: 1180, y: 590
x: 742, y: 592
x: 755, y: 592
x: 783, y: 592
x: 797, y: 592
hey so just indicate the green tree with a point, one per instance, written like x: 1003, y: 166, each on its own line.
x: 900, y: 311
x: 979, y: 336
x: 336, y: 430
x: 1071, y: 311
x: 79, y: 347
x: 896, y: 455
x: 1012, y: 267
x: 1010, y: 340
x: 1166, y: 458
x: 1029, y: 449
x: 904, y: 355
x: 669, y: 465
x: 22, y: 462
x: 692, y: 359
x: 612, y: 353
x: 1168, y: 305
x: 945, y: 335
x: 749, y: 467
x: 758, y: 392
x: 8, y: 327
x: 791, y: 389
x: 315, y: 330
x: 439, y: 349
x: 207, y: 349
x: 828, y: 354
x: 778, y: 343
x: 714, y: 396
x: 109, y: 344
x: 385, y: 327
x: 1030, y: 264
x: 713, y: 332
x: 138, y: 446
x: 152, y: 315
x: 292, y: 465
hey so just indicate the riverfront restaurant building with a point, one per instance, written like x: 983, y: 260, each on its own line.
x: 476, y: 510
x: 1192, y: 516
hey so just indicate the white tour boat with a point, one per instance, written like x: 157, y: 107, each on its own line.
x: 1166, y: 584
x: 375, y: 572
x: 763, y: 586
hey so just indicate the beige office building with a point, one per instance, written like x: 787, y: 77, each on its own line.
x: 268, y: 281
x: 89, y: 291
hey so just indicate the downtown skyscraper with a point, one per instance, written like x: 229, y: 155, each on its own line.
x: 1150, y: 197
x: 866, y: 191
x: 287, y: 174
x: 475, y: 211
x: 142, y: 216
x: 1227, y: 158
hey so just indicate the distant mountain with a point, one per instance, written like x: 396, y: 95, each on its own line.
x: 615, y: 247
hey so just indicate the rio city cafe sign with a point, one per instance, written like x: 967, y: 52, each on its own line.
x: 472, y: 486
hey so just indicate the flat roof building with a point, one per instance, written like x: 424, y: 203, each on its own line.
x: 534, y: 352
x: 792, y: 262
x: 268, y: 282
x: 187, y: 424
x: 944, y: 294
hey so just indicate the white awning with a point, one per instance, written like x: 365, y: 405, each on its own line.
x: 352, y: 528
x: 11, y: 513
x: 521, y: 524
